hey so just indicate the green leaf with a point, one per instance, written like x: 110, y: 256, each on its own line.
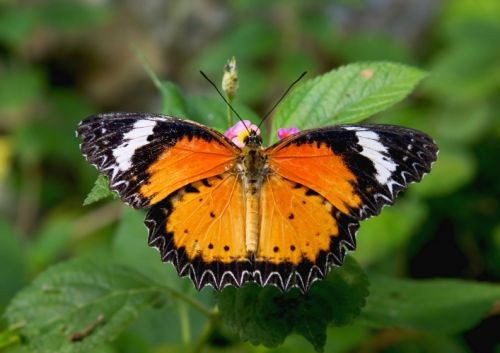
x: 20, y: 87
x: 130, y: 247
x: 99, y: 191
x: 453, y: 168
x: 364, y: 46
x: 467, y: 71
x: 380, y: 236
x: 461, y: 125
x: 50, y: 243
x: 9, y: 337
x: 347, y: 95
x: 16, y: 24
x: 250, y: 42
x: 340, y: 339
x: 493, y: 246
x: 427, y: 343
x: 347, y: 338
x: 68, y: 15
x: 442, y: 305
x: 173, y: 103
x: 13, y: 270
x: 267, y: 316
x: 211, y: 111
x: 78, y: 305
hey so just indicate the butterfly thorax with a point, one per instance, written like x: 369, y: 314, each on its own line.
x: 252, y: 168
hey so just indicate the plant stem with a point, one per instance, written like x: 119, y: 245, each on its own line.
x: 96, y: 219
x: 188, y: 300
x: 147, y: 66
x: 207, y: 331
x: 229, y: 115
x: 182, y: 309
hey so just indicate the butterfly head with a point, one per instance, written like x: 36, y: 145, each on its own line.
x: 253, y: 139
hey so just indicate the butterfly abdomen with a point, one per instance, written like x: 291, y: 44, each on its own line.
x: 252, y: 195
x: 253, y: 165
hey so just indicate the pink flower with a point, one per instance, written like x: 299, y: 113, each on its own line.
x: 284, y: 132
x: 238, y: 132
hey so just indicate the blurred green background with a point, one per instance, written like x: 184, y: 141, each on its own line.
x: 61, y: 61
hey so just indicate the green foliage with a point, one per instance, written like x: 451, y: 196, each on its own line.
x: 399, y: 221
x: 446, y: 306
x: 75, y: 306
x: 19, y: 87
x: 452, y: 169
x: 347, y: 95
x: 65, y: 60
x: 72, y: 15
x: 173, y: 102
x: 208, y: 110
x: 99, y: 191
x: 15, y: 25
x: 128, y: 249
x: 260, y: 316
x: 267, y: 316
x: 51, y: 242
x: 18, y: 23
x: 13, y: 270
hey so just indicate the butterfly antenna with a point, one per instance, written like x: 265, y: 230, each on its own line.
x: 281, y: 98
x: 225, y: 100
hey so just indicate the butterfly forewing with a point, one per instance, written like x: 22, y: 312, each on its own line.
x: 147, y: 157
x: 358, y: 168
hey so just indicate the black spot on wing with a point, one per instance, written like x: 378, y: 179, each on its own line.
x: 311, y: 192
x: 191, y: 189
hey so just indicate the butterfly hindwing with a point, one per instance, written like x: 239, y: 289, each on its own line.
x: 147, y: 157
x: 201, y: 229
x: 301, y: 235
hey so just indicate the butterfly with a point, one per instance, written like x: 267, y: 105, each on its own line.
x: 225, y: 214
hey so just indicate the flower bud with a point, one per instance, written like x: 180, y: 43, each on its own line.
x: 230, y: 79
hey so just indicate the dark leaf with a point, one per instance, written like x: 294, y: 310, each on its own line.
x: 79, y: 305
x: 267, y: 316
x: 441, y: 305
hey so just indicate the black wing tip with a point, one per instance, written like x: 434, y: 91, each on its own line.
x: 101, y: 118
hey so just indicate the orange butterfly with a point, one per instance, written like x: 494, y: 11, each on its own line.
x: 225, y: 214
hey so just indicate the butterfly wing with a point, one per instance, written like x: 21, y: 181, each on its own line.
x: 358, y: 168
x: 147, y: 157
x: 201, y: 229
x: 300, y: 235
x: 330, y: 179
